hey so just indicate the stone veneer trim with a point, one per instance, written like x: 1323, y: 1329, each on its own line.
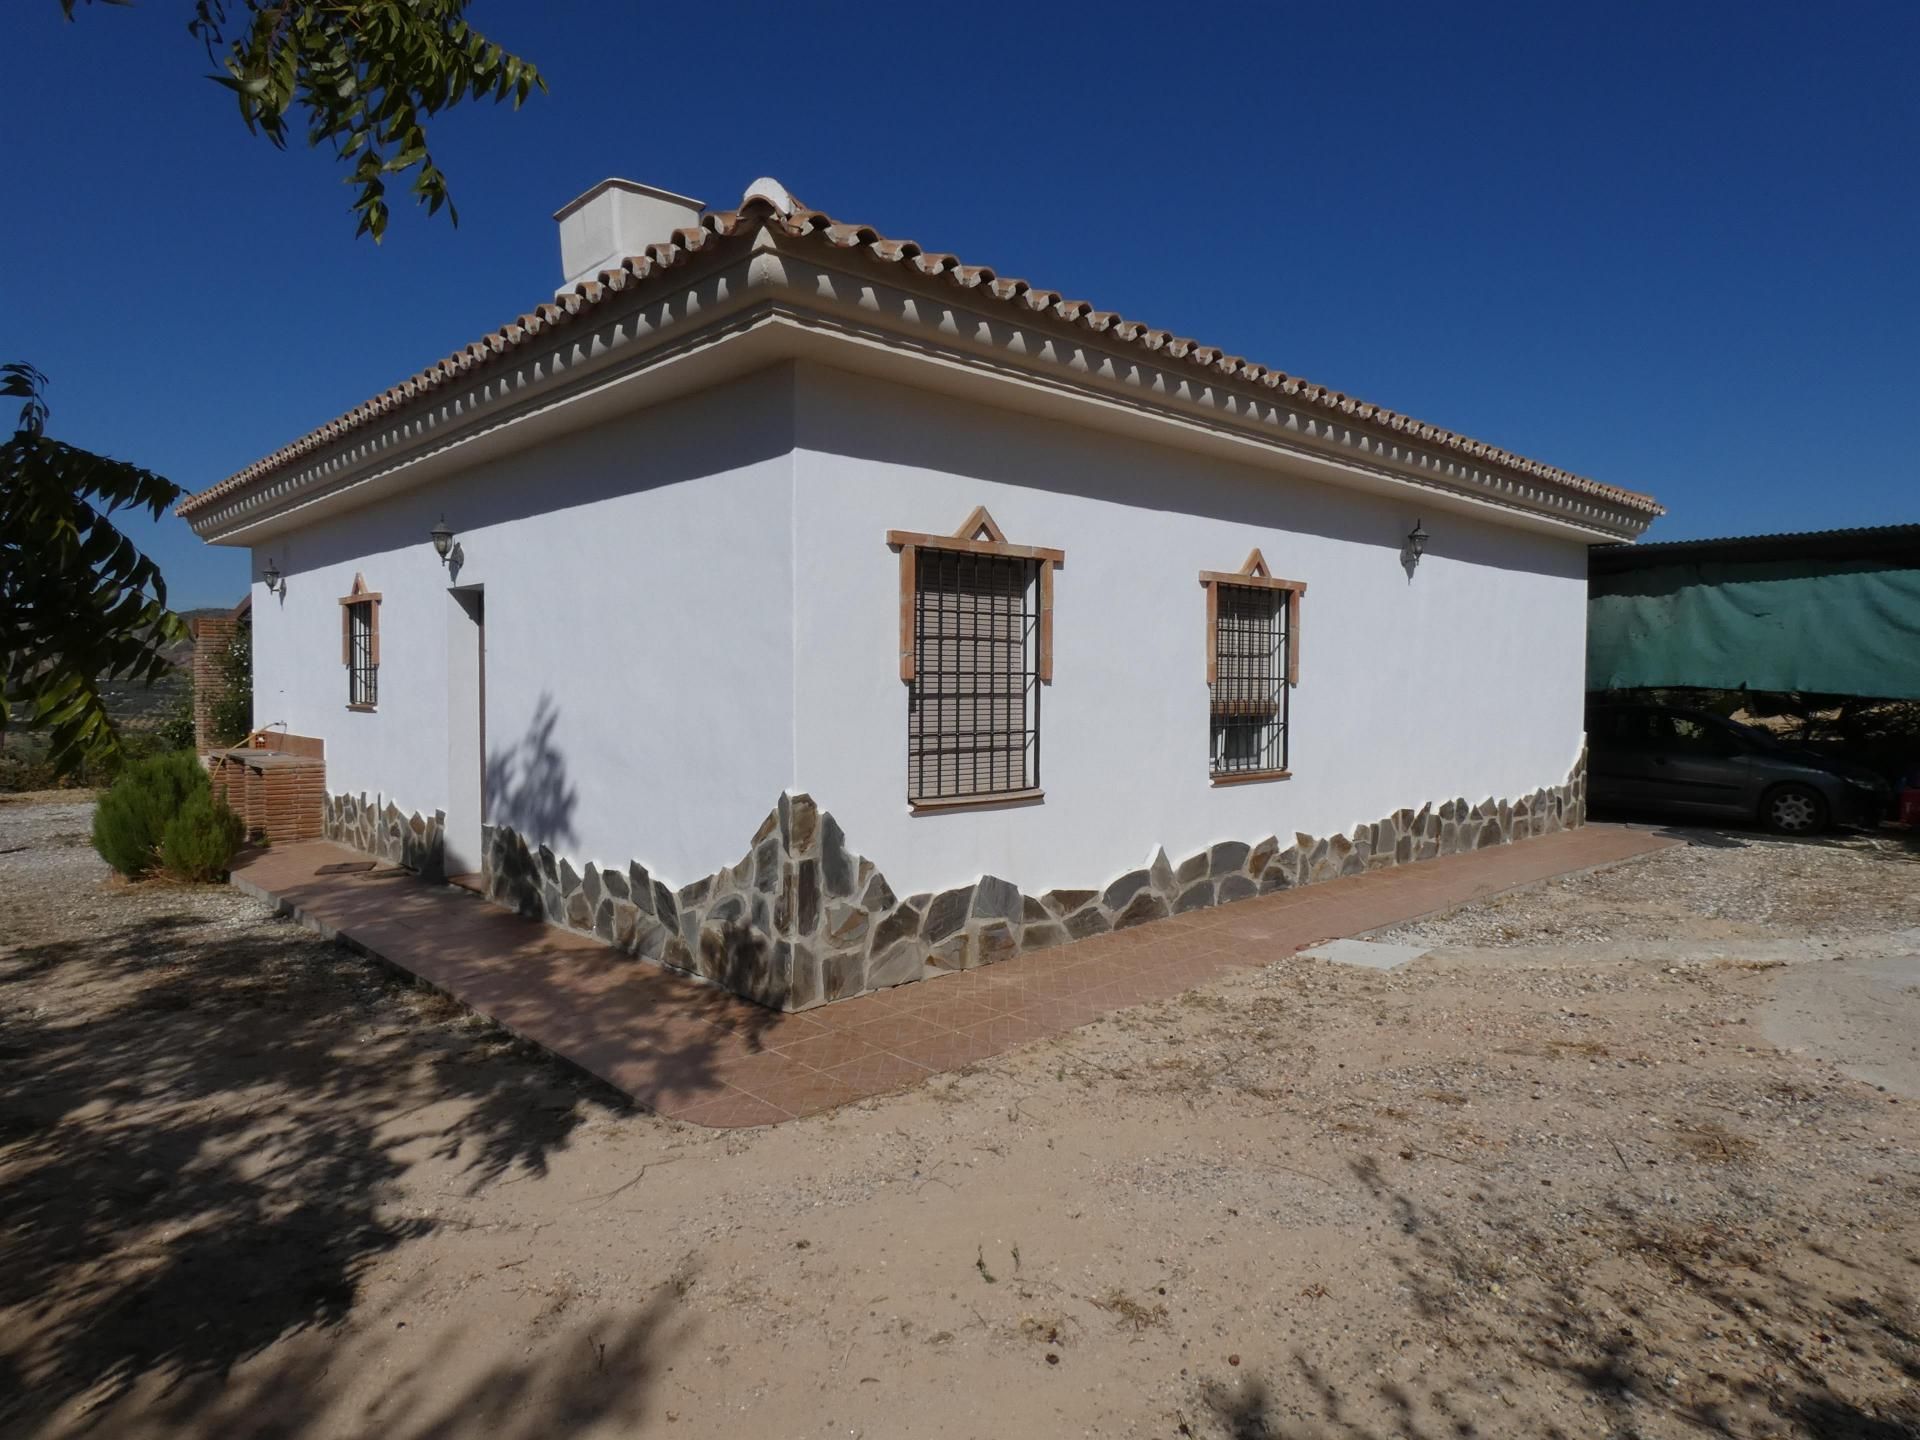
x: 379, y: 828
x: 800, y: 920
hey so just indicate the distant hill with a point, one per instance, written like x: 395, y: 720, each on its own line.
x: 140, y: 707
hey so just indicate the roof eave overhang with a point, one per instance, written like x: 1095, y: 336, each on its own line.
x: 771, y: 298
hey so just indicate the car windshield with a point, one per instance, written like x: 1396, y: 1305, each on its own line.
x: 1765, y: 739
x: 1648, y: 728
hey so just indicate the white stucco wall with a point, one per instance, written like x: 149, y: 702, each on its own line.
x: 1465, y: 681
x: 639, y: 643
x: 694, y: 607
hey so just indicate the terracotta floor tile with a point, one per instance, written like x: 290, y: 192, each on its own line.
x: 851, y: 1014
x: 690, y: 1050
x: 974, y: 987
x: 950, y: 1051
x: 823, y: 1052
x: 957, y: 1013
x: 1005, y: 1032
x: 762, y: 1074
x: 732, y: 1112
x: 763, y: 1027
x: 896, y: 1030
x: 1188, y: 920
x: 703, y: 1002
x: 659, y: 1084
x: 817, y: 1092
x: 877, y: 1072
x: 1008, y: 999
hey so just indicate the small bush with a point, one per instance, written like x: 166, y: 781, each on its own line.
x: 175, y: 730
x: 232, y: 715
x: 131, y: 819
x: 19, y: 774
x: 199, y: 842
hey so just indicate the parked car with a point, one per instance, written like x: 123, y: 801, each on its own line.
x: 1664, y: 757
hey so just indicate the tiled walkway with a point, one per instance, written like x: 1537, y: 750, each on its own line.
x: 695, y: 1053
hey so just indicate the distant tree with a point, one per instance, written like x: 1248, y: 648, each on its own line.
x: 79, y: 603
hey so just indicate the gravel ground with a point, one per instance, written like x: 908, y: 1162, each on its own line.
x: 1723, y: 885
x: 1553, y: 1179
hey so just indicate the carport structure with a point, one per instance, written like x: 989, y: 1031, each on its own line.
x: 1834, y: 612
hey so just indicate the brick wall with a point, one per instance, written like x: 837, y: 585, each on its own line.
x: 311, y: 747
x: 279, y: 797
x: 211, y: 636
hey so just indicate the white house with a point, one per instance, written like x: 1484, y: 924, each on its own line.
x: 819, y: 613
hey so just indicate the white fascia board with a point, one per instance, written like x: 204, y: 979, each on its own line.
x: 777, y: 303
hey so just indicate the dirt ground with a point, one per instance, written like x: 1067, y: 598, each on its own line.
x: 1592, y: 1167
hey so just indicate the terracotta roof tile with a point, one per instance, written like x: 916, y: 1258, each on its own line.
x: 720, y: 225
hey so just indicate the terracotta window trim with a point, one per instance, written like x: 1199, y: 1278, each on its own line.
x: 1249, y: 777
x: 983, y: 607
x: 1239, y: 708
x: 360, y: 595
x: 899, y: 538
x: 1254, y: 575
x: 977, y: 535
x: 995, y: 800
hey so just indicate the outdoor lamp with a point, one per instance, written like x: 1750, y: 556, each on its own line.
x: 276, y: 582
x: 442, y: 539
x: 1416, y: 544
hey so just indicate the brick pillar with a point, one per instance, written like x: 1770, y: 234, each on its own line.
x: 211, y: 636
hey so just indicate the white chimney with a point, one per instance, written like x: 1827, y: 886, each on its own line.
x: 615, y: 219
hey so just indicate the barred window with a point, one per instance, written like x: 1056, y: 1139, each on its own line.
x: 976, y: 646
x: 1253, y: 664
x: 1248, y: 725
x: 363, y: 672
x: 973, y: 709
x: 360, y: 645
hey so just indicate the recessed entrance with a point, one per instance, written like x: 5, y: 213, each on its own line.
x: 466, y: 728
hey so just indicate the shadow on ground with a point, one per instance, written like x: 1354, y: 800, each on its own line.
x: 1629, y: 1338
x: 1891, y: 843
x: 199, y: 1147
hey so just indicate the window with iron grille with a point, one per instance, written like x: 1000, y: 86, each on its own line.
x: 973, y: 702
x: 1251, y: 683
x: 363, y: 656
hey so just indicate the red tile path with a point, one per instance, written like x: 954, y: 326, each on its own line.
x: 695, y: 1053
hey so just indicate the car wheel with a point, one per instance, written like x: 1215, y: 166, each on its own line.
x: 1794, y: 810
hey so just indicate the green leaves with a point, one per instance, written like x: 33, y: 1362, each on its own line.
x: 80, y: 605
x: 365, y: 75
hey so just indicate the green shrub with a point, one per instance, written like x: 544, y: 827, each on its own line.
x: 175, y: 730
x: 232, y: 716
x: 19, y: 774
x: 131, y: 819
x: 102, y: 769
x: 199, y: 842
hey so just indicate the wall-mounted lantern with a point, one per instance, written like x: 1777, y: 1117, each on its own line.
x: 276, y: 582
x: 1414, y: 547
x: 442, y: 540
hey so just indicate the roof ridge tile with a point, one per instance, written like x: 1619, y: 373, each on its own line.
x: 801, y: 221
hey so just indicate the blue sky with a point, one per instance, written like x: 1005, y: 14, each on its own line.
x: 1670, y: 246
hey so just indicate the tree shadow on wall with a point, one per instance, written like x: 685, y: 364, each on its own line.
x: 194, y: 1166
x: 1496, y: 1291
x: 527, y: 785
